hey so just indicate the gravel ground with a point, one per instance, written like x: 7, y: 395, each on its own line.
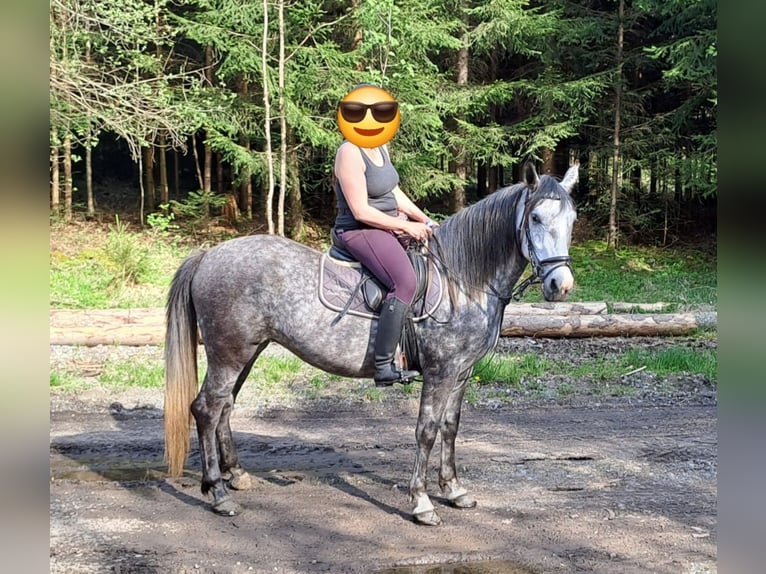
x: 570, y: 476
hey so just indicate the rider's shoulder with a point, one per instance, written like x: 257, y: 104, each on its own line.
x: 349, y: 152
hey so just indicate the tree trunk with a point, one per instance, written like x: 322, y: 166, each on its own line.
x: 176, y: 175
x: 267, y: 120
x: 548, y: 164
x: 283, y: 184
x: 295, y: 203
x: 207, y: 177
x: 219, y: 173
x: 67, y: 178
x: 200, y: 181
x: 144, y: 326
x: 90, y: 198
x: 246, y: 185
x: 149, y: 178
x: 55, y: 174
x: 164, y: 194
x: 612, y: 236
x: 614, y: 325
x: 595, y: 308
x: 90, y: 202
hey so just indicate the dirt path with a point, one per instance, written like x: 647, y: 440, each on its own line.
x: 599, y: 485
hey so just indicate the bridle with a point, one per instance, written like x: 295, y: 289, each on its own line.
x: 539, y: 273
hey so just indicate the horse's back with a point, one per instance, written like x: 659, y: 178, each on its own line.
x: 264, y: 287
x: 255, y: 252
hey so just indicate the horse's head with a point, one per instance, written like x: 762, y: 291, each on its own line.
x: 545, y: 229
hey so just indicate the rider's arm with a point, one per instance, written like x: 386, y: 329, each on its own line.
x: 349, y: 169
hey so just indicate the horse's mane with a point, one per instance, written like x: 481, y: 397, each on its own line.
x: 474, y: 242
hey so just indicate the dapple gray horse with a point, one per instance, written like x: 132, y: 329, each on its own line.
x: 247, y: 292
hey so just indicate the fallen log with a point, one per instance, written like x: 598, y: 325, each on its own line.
x: 613, y: 325
x: 136, y: 327
x: 91, y: 327
x: 622, y: 307
x: 550, y: 308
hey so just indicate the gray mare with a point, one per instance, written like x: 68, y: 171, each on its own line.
x: 248, y: 292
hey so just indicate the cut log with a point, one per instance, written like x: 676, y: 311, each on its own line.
x: 91, y: 327
x: 546, y: 308
x: 614, y: 325
x: 136, y: 327
x: 622, y: 307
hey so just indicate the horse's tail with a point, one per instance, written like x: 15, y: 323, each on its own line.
x: 180, y: 364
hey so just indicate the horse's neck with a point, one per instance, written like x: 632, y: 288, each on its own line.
x: 508, y: 275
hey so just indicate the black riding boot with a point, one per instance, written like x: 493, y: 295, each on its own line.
x: 390, y: 324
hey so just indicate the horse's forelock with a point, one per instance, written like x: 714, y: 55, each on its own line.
x: 550, y: 188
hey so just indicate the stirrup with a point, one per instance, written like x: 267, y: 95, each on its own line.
x: 391, y: 375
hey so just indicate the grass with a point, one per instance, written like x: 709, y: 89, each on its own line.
x: 676, y: 360
x: 522, y: 372
x: 107, y: 267
x: 639, y: 274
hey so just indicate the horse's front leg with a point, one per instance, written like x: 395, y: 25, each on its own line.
x: 207, y: 409
x: 433, y: 400
x: 448, y: 481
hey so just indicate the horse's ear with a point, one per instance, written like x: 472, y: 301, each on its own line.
x: 570, y: 177
x: 529, y: 175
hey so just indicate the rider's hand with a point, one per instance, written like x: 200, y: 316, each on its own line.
x: 418, y: 231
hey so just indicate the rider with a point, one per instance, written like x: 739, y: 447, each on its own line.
x: 372, y: 212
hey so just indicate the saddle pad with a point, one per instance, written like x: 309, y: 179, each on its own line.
x: 337, y: 280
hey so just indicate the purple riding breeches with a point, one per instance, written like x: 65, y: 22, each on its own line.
x: 381, y: 252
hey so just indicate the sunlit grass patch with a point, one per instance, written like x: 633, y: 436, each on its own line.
x: 675, y: 360
x: 509, y: 370
x: 67, y: 381
x: 133, y: 373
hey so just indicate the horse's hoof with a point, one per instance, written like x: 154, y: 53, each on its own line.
x: 227, y: 507
x: 428, y: 518
x: 463, y: 501
x: 240, y: 480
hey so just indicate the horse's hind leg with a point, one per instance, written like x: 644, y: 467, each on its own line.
x: 236, y: 476
x: 211, y: 410
x: 448, y: 481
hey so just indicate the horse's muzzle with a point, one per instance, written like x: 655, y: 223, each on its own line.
x: 558, y: 282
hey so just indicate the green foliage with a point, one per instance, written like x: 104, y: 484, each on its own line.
x: 198, y: 207
x: 125, y: 254
x: 540, y: 77
x: 162, y: 221
x: 91, y: 273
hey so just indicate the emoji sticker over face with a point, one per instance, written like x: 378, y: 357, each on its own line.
x: 368, y: 116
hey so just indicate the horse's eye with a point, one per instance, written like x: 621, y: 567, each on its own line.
x: 535, y: 218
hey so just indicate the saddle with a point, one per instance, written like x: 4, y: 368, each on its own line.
x: 348, y: 287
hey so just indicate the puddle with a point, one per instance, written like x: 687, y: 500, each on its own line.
x: 480, y: 567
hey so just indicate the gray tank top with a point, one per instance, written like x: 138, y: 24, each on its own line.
x: 381, y: 181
